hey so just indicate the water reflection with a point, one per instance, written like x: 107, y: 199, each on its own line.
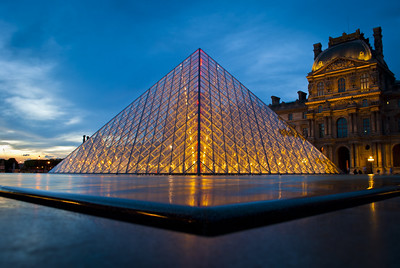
x: 198, y: 191
x: 370, y: 181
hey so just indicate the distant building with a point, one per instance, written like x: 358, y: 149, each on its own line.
x: 2, y: 165
x: 9, y: 166
x: 39, y: 165
x: 352, y: 113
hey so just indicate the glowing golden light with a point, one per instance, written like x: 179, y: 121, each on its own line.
x: 370, y: 181
x: 373, y: 207
x: 151, y: 214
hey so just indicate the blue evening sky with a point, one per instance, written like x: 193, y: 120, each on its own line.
x: 67, y: 67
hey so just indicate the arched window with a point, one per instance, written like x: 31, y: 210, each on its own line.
x: 342, y: 128
x: 364, y: 81
x: 320, y: 109
x: 341, y: 85
x: 364, y: 103
x: 320, y: 89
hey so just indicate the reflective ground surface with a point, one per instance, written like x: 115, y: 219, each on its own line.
x: 39, y: 236
x: 36, y: 235
x: 199, y: 191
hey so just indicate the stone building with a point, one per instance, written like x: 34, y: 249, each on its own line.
x: 2, y: 165
x: 352, y: 113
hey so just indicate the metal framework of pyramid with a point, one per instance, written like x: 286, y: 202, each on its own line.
x: 198, y: 119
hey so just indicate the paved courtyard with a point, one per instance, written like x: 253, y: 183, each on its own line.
x: 365, y: 235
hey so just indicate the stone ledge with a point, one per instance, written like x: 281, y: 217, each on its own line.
x: 204, y: 221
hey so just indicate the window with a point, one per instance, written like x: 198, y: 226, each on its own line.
x: 290, y: 116
x: 305, y: 132
x: 341, y: 85
x: 396, y: 155
x: 321, y: 130
x: 342, y: 128
x: 320, y: 109
x: 364, y: 103
x: 320, y: 89
x: 366, y: 127
x: 304, y: 115
x: 364, y: 81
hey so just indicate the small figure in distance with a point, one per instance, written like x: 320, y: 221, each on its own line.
x: 359, y: 171
x: 355, y: 172
x: 379, y: 172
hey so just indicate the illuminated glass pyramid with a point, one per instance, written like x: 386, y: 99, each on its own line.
x: 198, y: 119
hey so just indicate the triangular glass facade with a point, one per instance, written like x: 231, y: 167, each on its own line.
x: 198, y: 119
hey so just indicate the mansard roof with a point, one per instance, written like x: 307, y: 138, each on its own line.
x: 356, y: 49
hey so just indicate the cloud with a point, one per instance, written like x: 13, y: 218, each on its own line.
x: 33, y: 106
x: 28, y: 145
x: 74, y: 120
x: 30, y: 91
x: 34, y: 109
x: 9, y: 151
x: 266, y: 62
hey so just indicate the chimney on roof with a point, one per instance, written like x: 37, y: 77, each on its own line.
x: 275, y: 100
x: 84, y: 138
x: 378, y: 41
x: 317, y: 50
x: 302, y: 96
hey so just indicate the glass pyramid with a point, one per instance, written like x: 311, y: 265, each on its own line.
x: 198, y: 119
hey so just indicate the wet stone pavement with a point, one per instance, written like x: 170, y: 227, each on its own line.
x: 364, y: 235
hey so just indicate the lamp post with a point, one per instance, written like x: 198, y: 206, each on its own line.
x: 370, y: 160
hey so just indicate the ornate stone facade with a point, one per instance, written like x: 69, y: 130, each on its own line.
x: 352, y: 113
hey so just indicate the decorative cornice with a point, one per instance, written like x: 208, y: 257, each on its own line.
x: 326, y: 70
x: 370, y: 94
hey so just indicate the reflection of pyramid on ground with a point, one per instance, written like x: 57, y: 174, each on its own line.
x: 198, y: 119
